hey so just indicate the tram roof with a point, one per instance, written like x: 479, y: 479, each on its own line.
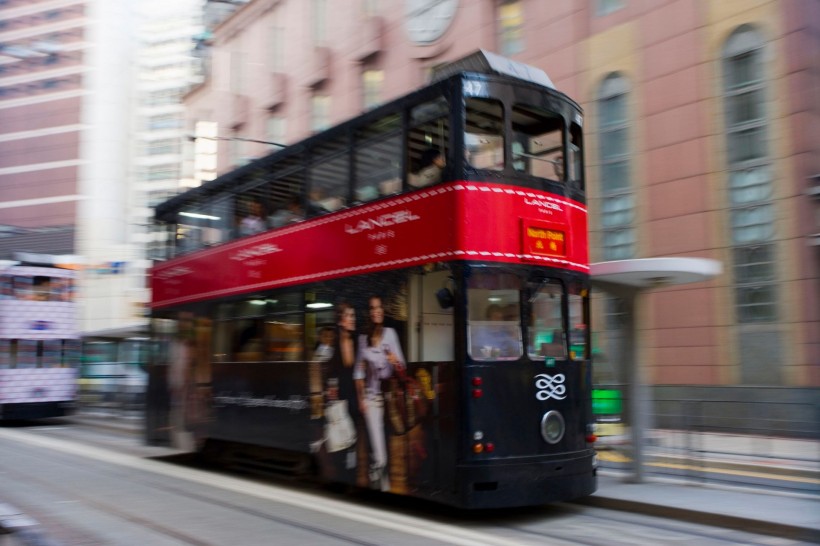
x: 481, y: 64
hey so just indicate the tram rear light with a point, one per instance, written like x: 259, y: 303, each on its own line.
x: 490, y: 447
x: 478, y: 448
x: 478, y: 393
x: 477, y: 381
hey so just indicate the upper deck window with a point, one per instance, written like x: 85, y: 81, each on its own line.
x: 484, y: 134
x: 538, y: 146
x: 329, y: 176
x: 377, y: 157
x: 429, y: 132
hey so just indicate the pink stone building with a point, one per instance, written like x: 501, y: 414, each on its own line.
x: 702, y: 136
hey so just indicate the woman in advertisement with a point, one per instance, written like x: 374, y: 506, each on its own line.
x: 341, y: 387
x: 380, y: 355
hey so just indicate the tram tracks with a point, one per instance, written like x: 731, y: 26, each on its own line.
x: 273, y: 505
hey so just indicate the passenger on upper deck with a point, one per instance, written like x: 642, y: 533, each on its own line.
x: 252, y: 222
x: 431, y: 165
x: 291, y: 212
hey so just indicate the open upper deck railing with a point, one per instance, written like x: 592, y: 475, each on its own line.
x: 491, y: 125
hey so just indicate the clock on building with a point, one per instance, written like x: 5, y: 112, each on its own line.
x: 427, y: 20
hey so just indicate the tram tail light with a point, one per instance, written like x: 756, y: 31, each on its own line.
x: 477, y: 382
x: 478, y: 447
x: 591, y: 437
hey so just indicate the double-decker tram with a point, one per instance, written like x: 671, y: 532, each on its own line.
x: 39, y: 341
x: 399, y: 302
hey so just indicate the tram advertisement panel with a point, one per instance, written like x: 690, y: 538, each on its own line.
x: 446, y: 222
x: 357, y: 405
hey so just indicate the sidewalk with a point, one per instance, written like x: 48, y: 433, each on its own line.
x: 786, y: 515
x: 796, y: 517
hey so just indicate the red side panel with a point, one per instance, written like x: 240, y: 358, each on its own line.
x: 488, y: 222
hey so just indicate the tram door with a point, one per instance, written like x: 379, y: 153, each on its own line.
x: 431, y: 359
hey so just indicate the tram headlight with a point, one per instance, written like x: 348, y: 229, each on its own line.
x: 552, y: 427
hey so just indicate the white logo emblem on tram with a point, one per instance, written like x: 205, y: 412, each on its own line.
x: 550, y: 386
x: 255, y: 251
x: 382, y: 221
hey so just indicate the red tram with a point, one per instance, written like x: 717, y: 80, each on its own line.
x: 389, y: 303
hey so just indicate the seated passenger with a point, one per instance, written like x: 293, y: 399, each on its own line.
x: 291, y: 212
x: 431, y: 165
x: 252, y: 222
x: 496, y: 338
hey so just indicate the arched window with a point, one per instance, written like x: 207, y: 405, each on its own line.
x: 749, y: 176
x: 510, y: 27
x: 617, y: 195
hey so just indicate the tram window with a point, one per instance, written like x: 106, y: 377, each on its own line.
x: 575, y: 157
x: 23, y: 288
x: 484, y: 134
x: 51, y: 353
x: 26, y: 353
x: 248, y: 337
x: 430, y: 131
x: 12, y: 354
x: 285, y: 337
x: 578, y: 313
x: 378, y: 154
x: 329, y: 175
x: 5, y: 353
x: 41, y: 288
x: 546, y: 331
x: 286, y: 192
x: 99, y: 351
x: 188, y: 238
x: 72, y: 353
x: 216, y: 227
x: 494, y: 329
x: 538, y: 147
x: 6, y: 287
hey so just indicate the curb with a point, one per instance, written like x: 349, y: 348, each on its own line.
x: 793, y: 532
x: 772, y: 469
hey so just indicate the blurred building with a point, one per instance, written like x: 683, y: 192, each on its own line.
x: 66, y: 95
x: 91, y: 131
x: 701, y: 140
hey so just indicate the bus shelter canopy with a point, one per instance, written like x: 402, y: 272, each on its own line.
x: 647, y: 273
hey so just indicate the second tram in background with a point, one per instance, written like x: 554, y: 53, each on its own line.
x: 39, y: 341
x: 399, y: 302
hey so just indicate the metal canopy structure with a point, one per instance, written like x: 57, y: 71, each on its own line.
x: 654, y: 272
x: 626, y: 279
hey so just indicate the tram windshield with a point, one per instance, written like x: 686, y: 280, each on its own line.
x: 546, y: 332
x: 494, y: 316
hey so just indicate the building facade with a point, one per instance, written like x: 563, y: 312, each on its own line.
x: 701, y: 140
x: 66, y: 93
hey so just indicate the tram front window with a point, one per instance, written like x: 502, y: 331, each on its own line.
x: 494, y: 316
x: 484, y: 134
x: 546, y: 332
